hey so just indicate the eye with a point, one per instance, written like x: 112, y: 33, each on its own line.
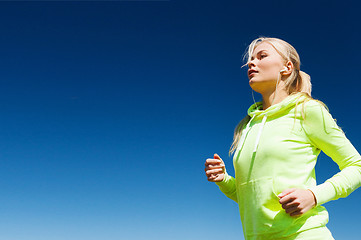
x: 263, y: 56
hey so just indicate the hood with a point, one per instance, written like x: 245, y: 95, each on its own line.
x: 289, y: 102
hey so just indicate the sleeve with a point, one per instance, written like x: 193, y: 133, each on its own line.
x: 228, y: 187
x: 324, y: 133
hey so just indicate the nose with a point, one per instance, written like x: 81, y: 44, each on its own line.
x: 251, y: 64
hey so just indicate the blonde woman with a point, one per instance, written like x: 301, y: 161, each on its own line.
x: 275, y: 149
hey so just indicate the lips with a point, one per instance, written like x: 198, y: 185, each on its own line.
x: 251, y: 72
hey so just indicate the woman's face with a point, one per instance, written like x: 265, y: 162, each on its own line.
x: 264, y: 67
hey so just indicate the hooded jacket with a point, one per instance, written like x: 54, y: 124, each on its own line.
x: 278, y: 150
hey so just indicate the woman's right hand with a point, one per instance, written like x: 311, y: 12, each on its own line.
x: 215, y: 169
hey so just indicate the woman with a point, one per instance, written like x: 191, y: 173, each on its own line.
x: 275, y: 150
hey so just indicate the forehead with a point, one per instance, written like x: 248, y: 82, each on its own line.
x: 264, y: 46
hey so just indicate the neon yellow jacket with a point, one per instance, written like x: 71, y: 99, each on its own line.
x: 278, y: 150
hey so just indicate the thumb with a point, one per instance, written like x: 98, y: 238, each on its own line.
x: 216, y: 156
x: 286, y: 192
x: 222, y: 163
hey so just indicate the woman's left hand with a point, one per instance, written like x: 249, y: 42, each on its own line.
x: 297, y: 201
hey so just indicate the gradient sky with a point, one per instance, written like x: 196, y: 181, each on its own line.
x: 110, y: 108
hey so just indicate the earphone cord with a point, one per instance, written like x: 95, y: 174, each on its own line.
x: 274, y: 96
x: 253, y: 99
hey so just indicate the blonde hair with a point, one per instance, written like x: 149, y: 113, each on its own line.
x: 297, y: 81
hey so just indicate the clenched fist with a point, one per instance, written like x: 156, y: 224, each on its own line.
x: 297, y: 201
x: 215, y: 169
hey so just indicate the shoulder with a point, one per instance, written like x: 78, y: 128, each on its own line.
x: 310, y: 108
x: 315, y: 109
x: 314, y: 104
x: 317, y: 116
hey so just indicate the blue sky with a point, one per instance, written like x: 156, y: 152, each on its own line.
x: 109, y: 109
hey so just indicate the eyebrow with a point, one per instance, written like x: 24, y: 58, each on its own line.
x: 263, y: 50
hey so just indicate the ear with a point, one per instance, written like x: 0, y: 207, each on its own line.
x: 289, y: 66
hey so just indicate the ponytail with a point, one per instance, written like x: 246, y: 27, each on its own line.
x: 299, y: 81
x: 306, y: 86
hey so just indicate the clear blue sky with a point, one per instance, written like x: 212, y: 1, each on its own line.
x: 109, y: 109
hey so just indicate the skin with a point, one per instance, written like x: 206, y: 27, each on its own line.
x: 267, y: 63
x: 267, y: 69
x: 215, y: 169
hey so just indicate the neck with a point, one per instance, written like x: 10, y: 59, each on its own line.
x: 274, y: 97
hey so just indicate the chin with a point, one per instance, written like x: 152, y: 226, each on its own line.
x: 252, y: 83
x: 255, y: 81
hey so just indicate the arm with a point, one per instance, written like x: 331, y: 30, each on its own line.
x: 324, y: 133
x: 228, y: 187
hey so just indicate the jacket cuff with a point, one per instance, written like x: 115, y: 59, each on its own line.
x: 324, y: 192
x: 225, y: 180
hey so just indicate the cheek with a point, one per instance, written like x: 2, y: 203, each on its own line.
x: 270, y: 67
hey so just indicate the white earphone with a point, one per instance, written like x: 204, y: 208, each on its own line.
x: 284, y: 69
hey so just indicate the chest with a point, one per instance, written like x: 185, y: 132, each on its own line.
x: 278, y: 143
